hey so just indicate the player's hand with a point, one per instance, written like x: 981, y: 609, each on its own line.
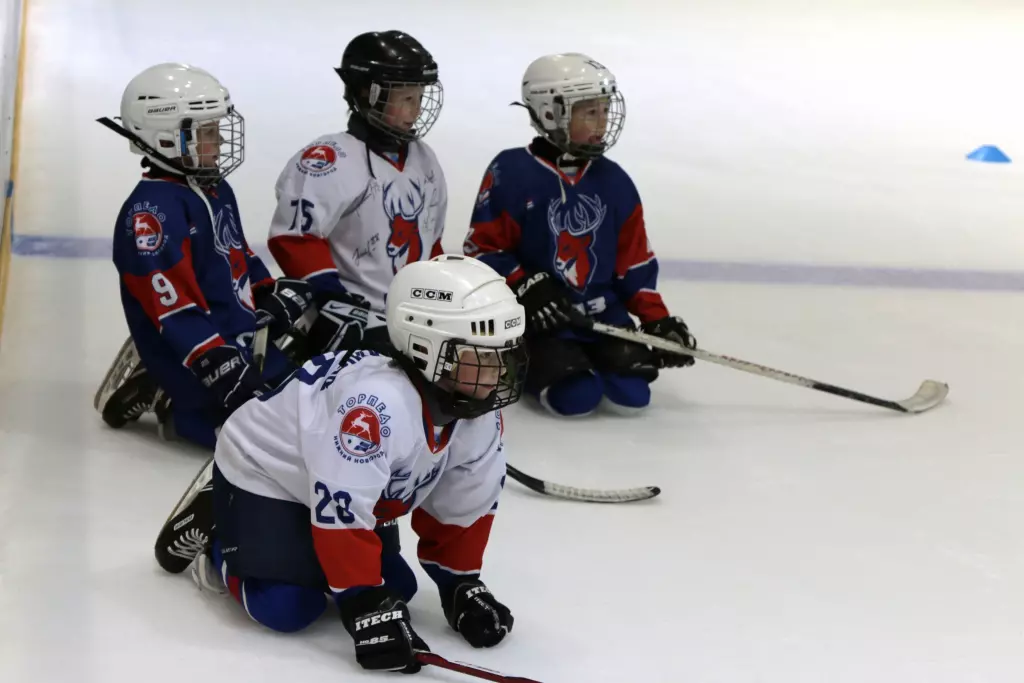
x: 378, y: 622
x: 341, y: 323
x: 547, y: 304
x: 281, y: 304
x: 474, y: 612
x: 673, y: 329
x: 228, y: 376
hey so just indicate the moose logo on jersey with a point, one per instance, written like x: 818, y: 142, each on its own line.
x: 399, y: 495
x: 403, y: 209
x: 227, y: 241
x: 574, y: 228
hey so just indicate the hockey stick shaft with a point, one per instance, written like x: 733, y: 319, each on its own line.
x: 259, y: 347
x: 930, y: 394
x: 431, y: 659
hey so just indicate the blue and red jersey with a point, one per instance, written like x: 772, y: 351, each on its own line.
x: 187, y: 278
x: 585, y: 229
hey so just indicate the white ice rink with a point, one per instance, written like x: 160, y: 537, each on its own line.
x: 800, y: 538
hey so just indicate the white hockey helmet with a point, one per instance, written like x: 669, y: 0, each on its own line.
x: 171, y: 107
x: 454, y: 311
x: 554, y: 84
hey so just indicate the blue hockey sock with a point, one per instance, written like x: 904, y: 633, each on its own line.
x: 627, y: 391
x: 574, y: 396
x: 398, y: 575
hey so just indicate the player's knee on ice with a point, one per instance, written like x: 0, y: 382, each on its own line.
x: 280, y: 606
x: 572, y: 378
x: 573, y: 396
x: 581, y: 394
x: 626, y: 394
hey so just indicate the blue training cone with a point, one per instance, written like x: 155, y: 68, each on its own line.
x: 989, y: 154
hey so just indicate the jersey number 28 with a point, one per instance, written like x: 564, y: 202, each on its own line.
x: 341, y: 500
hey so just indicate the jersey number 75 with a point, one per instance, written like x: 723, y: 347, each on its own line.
x: 305, y: 208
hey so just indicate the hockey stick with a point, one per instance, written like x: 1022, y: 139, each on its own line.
x: 259, y: 347
x: 548, y: 488
x: 930, y: 394
x: 431, y: 659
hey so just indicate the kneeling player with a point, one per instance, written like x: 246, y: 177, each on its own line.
x: 565, y: 226
x: 353, y: 207
x: 193, y: 291
x: 302, y: 476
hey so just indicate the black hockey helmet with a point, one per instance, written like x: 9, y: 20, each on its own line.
x: 376, y: 65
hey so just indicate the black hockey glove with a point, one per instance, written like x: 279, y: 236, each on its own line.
x: 281, y: 304
x: 476, y: 614
x: 674, y: 329
x: 340, y: 324
x: 232, y: 380
x: 547, y: 304
x: 378, y: 622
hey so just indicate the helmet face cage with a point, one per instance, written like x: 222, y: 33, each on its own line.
x: 616, y: 117
x: 226, y: 135
x: 480, y: 379
x: 373, y: 99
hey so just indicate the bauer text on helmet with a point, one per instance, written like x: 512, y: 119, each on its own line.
x: 184, y: 113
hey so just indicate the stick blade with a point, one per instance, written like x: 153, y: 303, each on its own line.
x: 930, y: 394
x: 548, y: 488
x: 600, y: 495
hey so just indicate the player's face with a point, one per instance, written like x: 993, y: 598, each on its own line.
x: 403, y: 107
x: 208, y: 142
x: 477, y: 372
x: 589, y: 121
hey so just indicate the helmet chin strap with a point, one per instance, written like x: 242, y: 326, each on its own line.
x: 157, y: 157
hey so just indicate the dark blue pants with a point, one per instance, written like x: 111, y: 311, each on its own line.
x: 264, y: 550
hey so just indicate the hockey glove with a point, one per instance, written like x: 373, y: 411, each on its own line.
x: 472, y: 611
x: 547, y: 304
x: 378, y: 622
x: 281, y: 304
x: 232, y: 380
x: 340, y: 324
x: 673, y: 329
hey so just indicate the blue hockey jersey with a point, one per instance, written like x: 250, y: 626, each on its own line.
x: 587, y: 230
x: 187, y: 275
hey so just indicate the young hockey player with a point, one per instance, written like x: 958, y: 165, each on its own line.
x: 354, y: 207
x: 286, y: 512
x: 565, y: 226
x: 193, y: 291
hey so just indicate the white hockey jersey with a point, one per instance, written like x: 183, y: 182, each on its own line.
x: 351, y: 439
x: 339, y: 225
